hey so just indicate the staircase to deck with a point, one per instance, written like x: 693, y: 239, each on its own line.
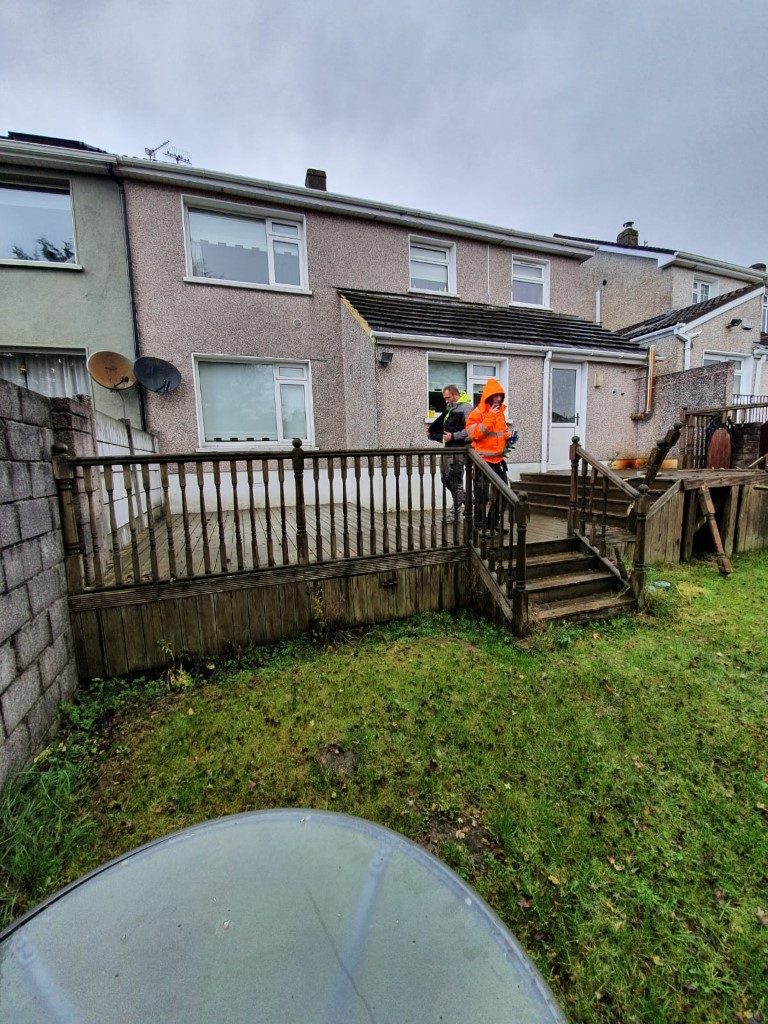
x: 565, y: 582
x: 549, y: 494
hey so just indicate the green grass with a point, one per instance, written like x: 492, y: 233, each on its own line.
x: 604, y: 788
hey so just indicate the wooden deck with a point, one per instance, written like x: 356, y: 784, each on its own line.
x: 265, y: 543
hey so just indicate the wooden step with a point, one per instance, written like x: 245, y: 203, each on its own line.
x: 584, y: 609
x: 556, y: 587
x: 558, y: 563
x: 617, y: 506
x: 559, y: 512
x: 548, y: 547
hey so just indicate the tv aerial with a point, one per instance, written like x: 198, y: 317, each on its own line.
x: 179, y: 156
x: 111, y: 370
x: 156, y: 375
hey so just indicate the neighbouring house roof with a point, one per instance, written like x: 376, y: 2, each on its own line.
x: 411, y: 315
x: 684, y: 315
x: 615, y: 245
x: 50, y: 140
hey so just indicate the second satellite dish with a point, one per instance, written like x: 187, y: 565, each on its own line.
x: 156, y: 374
x: 111, y: 370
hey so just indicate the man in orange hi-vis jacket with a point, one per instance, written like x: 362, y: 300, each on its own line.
x: 488, y: 433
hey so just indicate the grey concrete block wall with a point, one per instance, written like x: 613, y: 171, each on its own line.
x: 37, y: 667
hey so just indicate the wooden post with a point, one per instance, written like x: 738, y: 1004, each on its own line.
x: 297, y: 458
x: 469, y: 500
x: 638, y: 568
x: 520, y: 596
x: 573, y: 501
x: 64, y: 477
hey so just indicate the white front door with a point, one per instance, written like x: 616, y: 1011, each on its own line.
x: 565, y: 397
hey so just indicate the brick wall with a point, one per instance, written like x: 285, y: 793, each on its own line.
x: 37, y: 668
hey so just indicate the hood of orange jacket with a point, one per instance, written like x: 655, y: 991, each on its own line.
x: 492, y: 387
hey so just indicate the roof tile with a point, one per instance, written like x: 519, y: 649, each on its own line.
x: 684, y: 315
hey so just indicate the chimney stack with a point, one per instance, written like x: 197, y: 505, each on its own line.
x: 315, y: 179
x: 628, y: 235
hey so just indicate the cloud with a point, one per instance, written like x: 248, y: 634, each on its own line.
x: 553, y: 116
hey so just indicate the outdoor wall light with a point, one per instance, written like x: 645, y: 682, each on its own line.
x: 385, y: 358
x: 734, y: 323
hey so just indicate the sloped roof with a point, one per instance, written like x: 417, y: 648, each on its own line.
x: 452, y: 318
x: 614, y: 244
x: 684, y: 315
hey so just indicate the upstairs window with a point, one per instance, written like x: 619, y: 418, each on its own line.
x: 259, y: 251
x: 36, y: 223
x: 530, y: 283
x: 764, y: 320
x: 433, y: 267
x: 703, y: 290
x: 250, y: 402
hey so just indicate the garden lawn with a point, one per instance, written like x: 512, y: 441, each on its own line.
x: 604, y: 788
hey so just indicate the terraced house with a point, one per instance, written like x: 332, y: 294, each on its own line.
x: 694, y: 310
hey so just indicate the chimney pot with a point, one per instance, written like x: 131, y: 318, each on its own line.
x: 316, y: 179
x: 628, y: 235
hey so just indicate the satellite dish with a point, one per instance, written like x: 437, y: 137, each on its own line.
x: 111, y: 370
x: 156, y: 374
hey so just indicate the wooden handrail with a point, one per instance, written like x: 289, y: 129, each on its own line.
x: 285, y: 455
x: 714, y: 409
x: 494, y: 478
x: 608, y: 472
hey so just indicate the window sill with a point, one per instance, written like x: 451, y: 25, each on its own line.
x: 434, y: 295
x: 282, y: 289
x: 531, y: 305
x: 253, y: 448
x: 41, y: 264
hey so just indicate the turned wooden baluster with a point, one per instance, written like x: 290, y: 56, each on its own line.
x: 520, y: 597
x: 371, y: 499
x: 332, y: 510
x: 573, y: 500
x: 384, y: 509
x: 583, y: 499
x: 128, y: 484
x: 236, y: 513
x: 409, y: 476
x: 220, y: 516
x: 345, y: 506
x: 182, y: 471
x: 592, y: 523
x: 358, y: 505
x: 252, y: 514
x: 203, y: 518
x: 146, y: 484
x: 302, y: 541
x: 604, y: 517
x: 318, y: 524
x: 444, y: 464
x: 117, y: 565
x: 267, y: 513
x: 168, y: 520
x: 433, y: 501
x: 398, y: 524
x: 422, y: 524
x: 90, y: 490
x: 283, y: 520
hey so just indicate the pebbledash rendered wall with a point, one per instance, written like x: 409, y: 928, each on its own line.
x: 37, y: 667
x: 178, y: 318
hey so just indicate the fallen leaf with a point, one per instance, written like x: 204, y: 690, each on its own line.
x: 554, y: 879
x: 762, y: 917
x: 190, y: 711
x: 657, y: 960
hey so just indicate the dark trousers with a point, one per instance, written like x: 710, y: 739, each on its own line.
x: 484, y: 503
x: 453, y: 479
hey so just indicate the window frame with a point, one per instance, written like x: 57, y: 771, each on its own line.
x: 744, y: 360
x: 450, y: 250
x: 764, y: 314
x: 545, y: 282
x: 260, y: 213
x: 50, y: 185
x: 240, y: 446
x: 501, y: 362
x: 53, y: 350
x: 712, y: 284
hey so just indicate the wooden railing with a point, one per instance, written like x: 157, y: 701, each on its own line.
x: 154, y: 518
x: 496, y: 528
x: 699, y: 424
x: 588, y: 516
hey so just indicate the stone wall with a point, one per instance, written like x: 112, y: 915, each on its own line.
x: 37, y: 668
x: 700, y: 388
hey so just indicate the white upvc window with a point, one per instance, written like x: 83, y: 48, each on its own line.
x: 530, y: 282
x: 703, y: 289
x: 432, y: 266
x: 231, y: 244
x: 36, y: 223
x: 245, y: 402
x: 466, y: 375
x: 764, y: 319
x: 741, y: 370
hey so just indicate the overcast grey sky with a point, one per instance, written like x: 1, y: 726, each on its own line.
x: 544, y: 115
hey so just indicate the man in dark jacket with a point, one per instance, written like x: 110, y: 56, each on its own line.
x: 449, y: 427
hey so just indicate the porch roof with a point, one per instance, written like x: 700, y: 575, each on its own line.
x: 684, y: 315
x: 451, y: 318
